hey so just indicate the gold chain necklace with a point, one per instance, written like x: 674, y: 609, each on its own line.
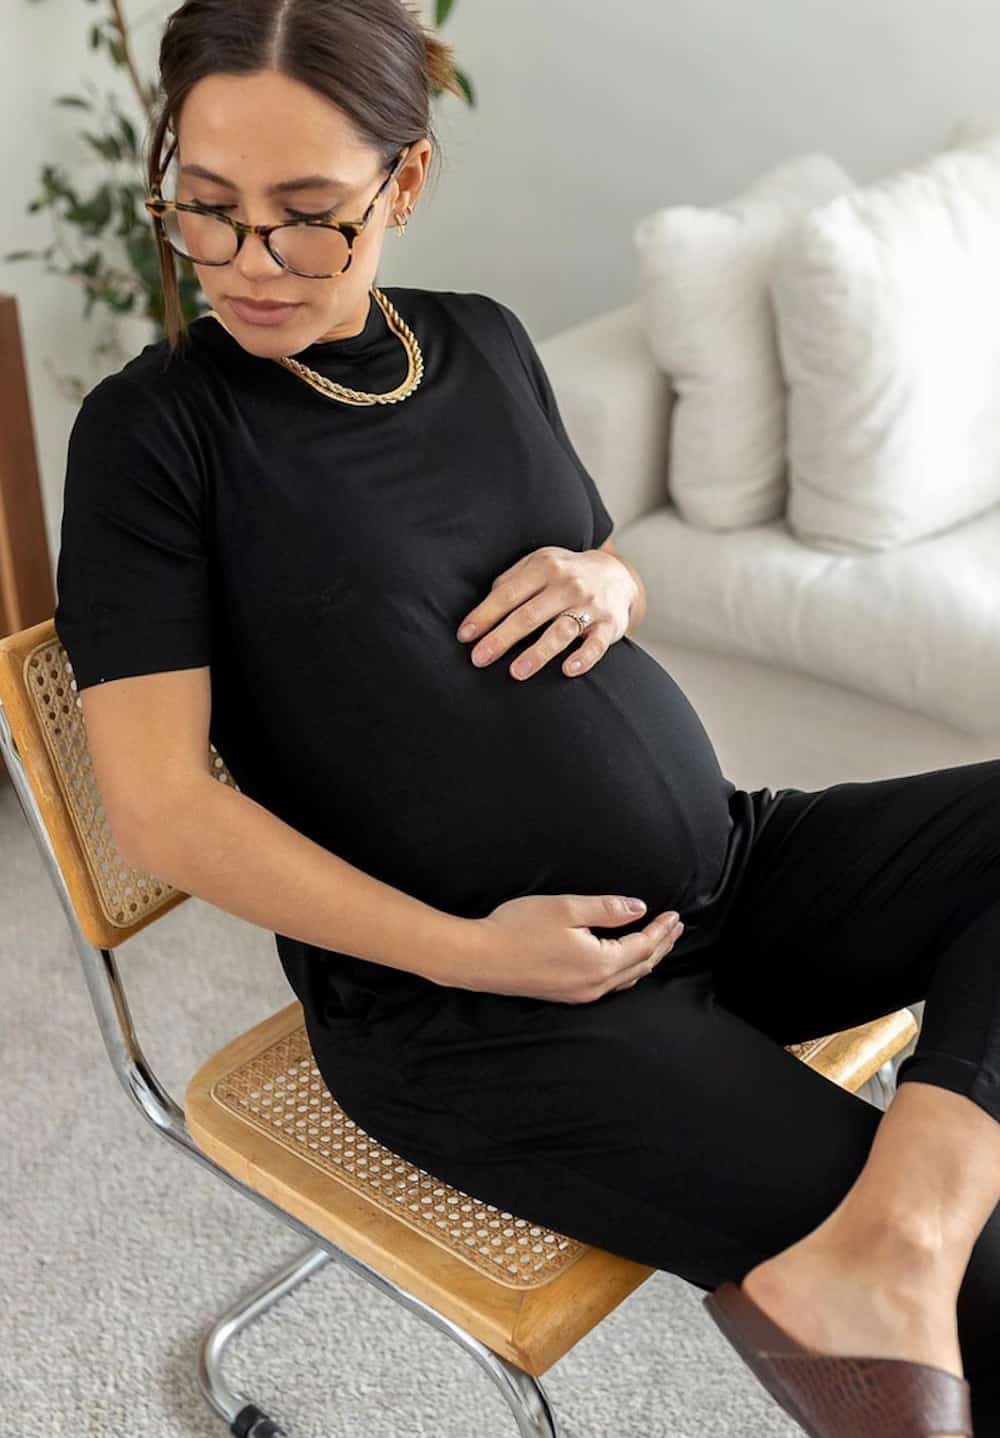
x: 344, y: 393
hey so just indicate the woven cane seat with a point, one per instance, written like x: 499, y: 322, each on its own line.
x: 260, y: 1108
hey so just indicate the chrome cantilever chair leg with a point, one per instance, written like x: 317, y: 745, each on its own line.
x: 522, y: 1391
x: 245, y: 1419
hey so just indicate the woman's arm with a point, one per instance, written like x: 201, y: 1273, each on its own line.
x: 210, y: 840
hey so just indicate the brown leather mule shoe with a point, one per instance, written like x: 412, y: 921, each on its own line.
x: 841, y: 1396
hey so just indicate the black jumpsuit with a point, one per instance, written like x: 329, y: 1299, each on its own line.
x: 319, y: 557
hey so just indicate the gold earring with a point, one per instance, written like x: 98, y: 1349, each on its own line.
x: 401, y: 223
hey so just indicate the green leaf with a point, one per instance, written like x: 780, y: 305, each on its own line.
x: 91, y: 214
x: 442, y: 9
x: 466, y: 86
x: 126, y: 207
x: 20, y: 254
x: 55, y: 186
x: 128, y: 135
x: 107, y: 146
x: 100, y: 210
x: 77, y: 101
x: 89, y: 266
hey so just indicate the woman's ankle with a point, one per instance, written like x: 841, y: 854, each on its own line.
x: 901, y: 1257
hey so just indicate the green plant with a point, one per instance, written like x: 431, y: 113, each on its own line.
x: 112, y: 254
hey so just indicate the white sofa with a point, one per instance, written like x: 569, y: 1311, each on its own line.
x: 807, y: 668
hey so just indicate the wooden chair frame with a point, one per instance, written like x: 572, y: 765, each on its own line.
x: 514, y: 1335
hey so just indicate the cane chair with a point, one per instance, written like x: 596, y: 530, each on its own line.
x: 514, y: 1295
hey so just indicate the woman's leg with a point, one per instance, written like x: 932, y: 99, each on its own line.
x: 887, y: 888
x: 882, y: 1274
x: 668, y: 1122
x: 653, y: 1123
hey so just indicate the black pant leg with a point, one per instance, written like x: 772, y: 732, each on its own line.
x: 863, y: 897
x: 652, y: 1122
x: 859, y: 899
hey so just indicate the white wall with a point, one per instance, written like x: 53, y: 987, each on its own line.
x: 44, y: 52
x: 589, y: 116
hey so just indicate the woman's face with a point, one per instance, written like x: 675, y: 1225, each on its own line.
x: 258, y: 131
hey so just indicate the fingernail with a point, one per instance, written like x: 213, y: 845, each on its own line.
x: 635, y: 905
x: 466, y: 631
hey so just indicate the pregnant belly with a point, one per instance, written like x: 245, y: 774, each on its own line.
x: 466, y: 787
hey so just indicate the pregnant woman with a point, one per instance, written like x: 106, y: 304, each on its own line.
x: 341, y: 531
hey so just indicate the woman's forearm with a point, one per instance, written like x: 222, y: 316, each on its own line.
x: 214, y: 842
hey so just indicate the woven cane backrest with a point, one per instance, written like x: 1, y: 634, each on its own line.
x: 112, y: 899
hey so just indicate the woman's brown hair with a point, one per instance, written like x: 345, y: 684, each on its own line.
x: 373, y: 58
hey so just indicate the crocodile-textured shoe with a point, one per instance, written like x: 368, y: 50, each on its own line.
x: 841, y: 1396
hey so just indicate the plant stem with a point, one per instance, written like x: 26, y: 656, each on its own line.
x: 118, y: 19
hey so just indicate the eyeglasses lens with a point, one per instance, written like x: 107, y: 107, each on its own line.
x: 207, y: 239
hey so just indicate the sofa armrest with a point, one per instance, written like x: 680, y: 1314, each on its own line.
x: 615, y: 403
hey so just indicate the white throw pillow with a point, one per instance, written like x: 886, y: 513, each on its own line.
x: 888, y: 309
x: 707, y: 318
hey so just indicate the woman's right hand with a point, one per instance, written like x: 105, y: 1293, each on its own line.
x: 540, y: 946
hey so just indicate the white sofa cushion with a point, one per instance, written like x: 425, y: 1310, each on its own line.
x: 887, y: 303
x: 916, y: 626
x: 707, y: 318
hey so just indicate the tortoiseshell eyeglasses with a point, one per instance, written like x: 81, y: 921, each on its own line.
x: 316, y: 249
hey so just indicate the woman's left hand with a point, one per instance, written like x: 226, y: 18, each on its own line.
x: 543, y: 586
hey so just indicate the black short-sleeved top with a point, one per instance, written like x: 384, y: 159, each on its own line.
x: 319, y: 557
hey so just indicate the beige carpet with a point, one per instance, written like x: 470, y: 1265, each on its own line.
x: 117, y: 1248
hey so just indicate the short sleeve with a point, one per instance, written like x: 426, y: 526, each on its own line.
x: 603, y: 522
x: 132, y: 577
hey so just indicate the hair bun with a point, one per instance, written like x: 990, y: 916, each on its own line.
x: 440, y: 65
